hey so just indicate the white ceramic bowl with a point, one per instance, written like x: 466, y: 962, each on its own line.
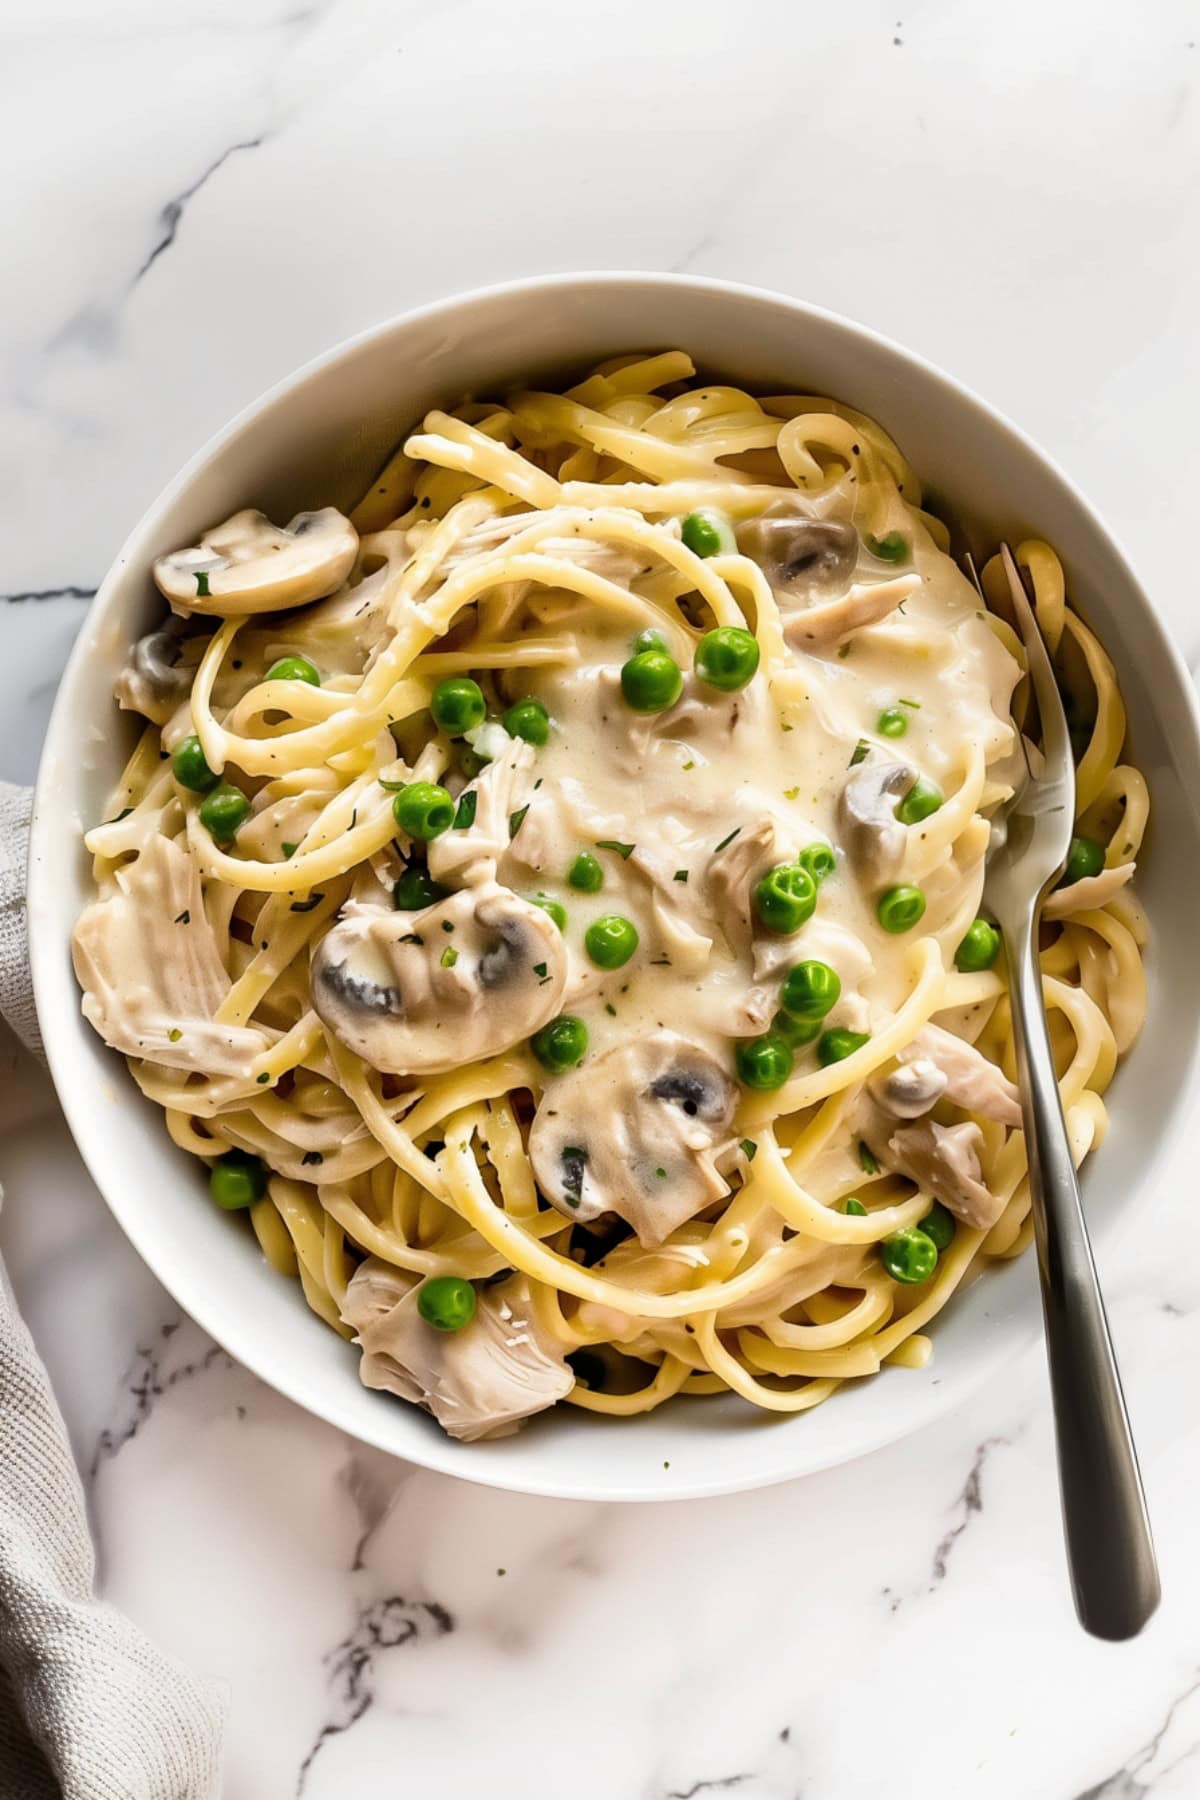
x: 318, y: 438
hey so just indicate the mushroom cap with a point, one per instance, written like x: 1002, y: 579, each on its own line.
x: 419, y: 993
x: 874, y: 837
x: 249, y: 565
x: 636, y: 1132
x: 809, y: 557
x: 156, y: 680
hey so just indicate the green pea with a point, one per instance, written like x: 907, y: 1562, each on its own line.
x: 560, y: 1044
x: 423, y: 810
x: 892, y: 722
x: 237, y: 1179
x: 854, y: 1208
x: 939, y: 1224
x: 585, y: 874
x: 223, y: 810
x: 763, y: 1062
x: 819, y: 860
x: 785, y: 897
x: 610, y: 941
x: 727, y: 658
x: 922, y: 798
x: 458, y: 705
x: 837, y: 1044
x: 979, y: 948
x: 446, y: 1302
x: 528, y: 719
x: 795, y: 1032
x: 415, y: 890
x: 557, y: 911
x: 191, y: 766
x: 1085, y: 857
x: 892, y: 547
x: 708, y: 533
x: 810, y: 990
x: 909, y: 1255
x: 900, y: 908
x: 294, y: 668
x: 648, y: 640
x: 651, y: 681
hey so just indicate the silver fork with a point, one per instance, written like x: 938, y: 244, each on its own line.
x: 1110, y: 1551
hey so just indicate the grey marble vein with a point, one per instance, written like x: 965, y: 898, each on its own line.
x: 171, y: 216
x: 70, y: 592
x: 381, y: 1625
x: 1125, y: 1783
x: 145, y: 1382
x: 969, y: 1503
x: 718, y: 1784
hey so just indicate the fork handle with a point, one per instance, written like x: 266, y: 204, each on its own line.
x: 1114, y: 1574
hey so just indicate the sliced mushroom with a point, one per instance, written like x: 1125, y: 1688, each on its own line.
x: 480, y: 1382
x: 154, y: 681
x: 1088, y: 891
x: 418, y: 993
x: 249, y: 565
x: 867, y: 603
x: 874, y: 837
x: 472, y: 852
x: 637, y: 1133
x: 944, y: 1161
x: 800, y: 555
x: 152, y: 976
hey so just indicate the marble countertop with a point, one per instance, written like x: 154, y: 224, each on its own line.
x: 201, y: 196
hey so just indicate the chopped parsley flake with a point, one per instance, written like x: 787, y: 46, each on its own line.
x: 464, y: 818
x: 790, y: 793
x: 516, y: 820
x: 391, y: 787
x: 726, y: 841
x: 661, y: 1174
x: 539, y: 969
x: 623, y: 850
x: 183, y: 918
x: 868, y: 1162
x: 861, y: 752
x: 749, y: 1149
x: 680, y: 875
x: 449, y: 957
x: 447, y: 925
x: 202, y: 585
x: 915, y: 704
x: 610, y: 1009
x: 689, y: 765
x: 289, y: 850
x: 262, y: 1079
x: 174, y: 1034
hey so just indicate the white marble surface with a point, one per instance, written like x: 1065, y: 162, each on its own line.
x: 203, y: 193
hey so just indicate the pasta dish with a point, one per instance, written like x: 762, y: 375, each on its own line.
x: 550, y: 899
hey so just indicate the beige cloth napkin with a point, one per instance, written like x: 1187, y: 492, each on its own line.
x: 89, y: 1708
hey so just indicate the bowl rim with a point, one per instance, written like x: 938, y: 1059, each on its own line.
x: 432, y: 1451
